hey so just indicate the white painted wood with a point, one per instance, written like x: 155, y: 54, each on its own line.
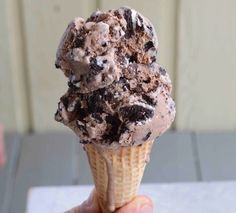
x: 206, y: 97
x: 205, y: 81
x: 162, y: 13
x: 7, y: 116
x: 217, y: 197
x: 45, y: 22
x: 14, y: 108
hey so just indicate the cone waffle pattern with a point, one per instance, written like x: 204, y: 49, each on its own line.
x: 127, y: 163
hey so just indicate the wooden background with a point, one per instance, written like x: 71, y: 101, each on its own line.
x: 197, y: 46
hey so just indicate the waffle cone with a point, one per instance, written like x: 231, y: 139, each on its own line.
x: 117, y: 173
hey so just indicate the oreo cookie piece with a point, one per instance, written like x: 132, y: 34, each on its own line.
x: 95, y: 103
x: 147, y: 136
x: 65, y: 101
x: 128, y: 18
x: 112, y: 132
x: 136, y: 113
x: 139, y: 23
x: 79, y: 41
x: 149, y: 100
x: 57, y: 66
x: 97, y: 117
x: 148, y: 45
x: 95, y: 67
x: 162, y: 71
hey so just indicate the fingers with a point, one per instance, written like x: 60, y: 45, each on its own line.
x: 2, y: 152
x: 141, y: 204
x: 89, y: 206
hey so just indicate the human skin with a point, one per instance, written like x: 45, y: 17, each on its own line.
x: 140, y: 204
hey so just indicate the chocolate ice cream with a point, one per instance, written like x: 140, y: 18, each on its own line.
x: 118, y: 95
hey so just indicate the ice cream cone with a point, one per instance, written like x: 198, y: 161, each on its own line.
x: 117, y: 173
x: 118, y: 97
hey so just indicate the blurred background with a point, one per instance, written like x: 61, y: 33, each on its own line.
x: 197, y: 47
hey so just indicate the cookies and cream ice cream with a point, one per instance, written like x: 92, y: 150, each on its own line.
x: 118, y: 95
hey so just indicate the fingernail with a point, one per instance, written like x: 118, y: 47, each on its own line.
x: 146, y: 209
x: 140, y: 204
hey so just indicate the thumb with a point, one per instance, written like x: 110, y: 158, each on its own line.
x: 140, y: 204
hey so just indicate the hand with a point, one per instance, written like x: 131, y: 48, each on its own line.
x: 141, y: 204
x: 2, y: 152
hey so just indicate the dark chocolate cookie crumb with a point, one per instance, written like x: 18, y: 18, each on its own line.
x: 65, y: 101
x: 133, y: 58
x: 150, y: 29
x: 58, y: 117
x: 128, y: 18
x: 72, y: 86
x: 95, y: 67
x: 57, y: 66
x: 153, y: 59
x: 108, y: 96
x: 149, y: 100
x: 84, y: 141
x: 147, y: 136
x: 97, y: 117
x: 104, y: 44
x: 136, y: 113
x: 117, y: 14
x: 139, y: 23
x: 79, y: 41
x: 113, y: 133
x: 95, y: 103
x: 148, y: 45
x: 81, y: 113
x: 162, y: 71
x: 81, y: 127
x: 147, y: 81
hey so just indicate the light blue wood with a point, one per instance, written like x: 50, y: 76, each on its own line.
x: 84, y: 173
x: 217, y: 156
x: 171, y: 159
x: 47, y: 159
x: 7, y: 174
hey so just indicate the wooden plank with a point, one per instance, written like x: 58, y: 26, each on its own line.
x: 84, y: 173
x: 172, y: 160
x: 217, y: 156
x: 206, y: 98
x: 7, y: 110
x: 48, y: 159
x: 13, y: 112
x: 45, y: 22
x: 162, y: 13
x: 7, y: 174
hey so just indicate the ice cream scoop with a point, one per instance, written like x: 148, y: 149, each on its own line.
x: 118, y: 94
x: 94, y: 53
